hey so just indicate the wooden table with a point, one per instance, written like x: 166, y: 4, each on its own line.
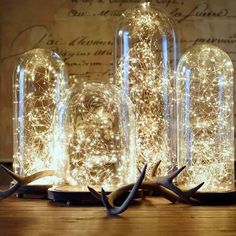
x: 155, y: 216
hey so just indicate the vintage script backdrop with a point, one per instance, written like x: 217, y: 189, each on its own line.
x: 82, y: 32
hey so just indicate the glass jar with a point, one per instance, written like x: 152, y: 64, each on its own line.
x: 101, y: 138
x: 205, y: 119
x: 39, y: 87
x: 145, y: 61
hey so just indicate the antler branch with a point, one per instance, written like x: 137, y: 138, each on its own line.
x: 22, y: 181
x: 167, y: 182
x: 112, y: 210
x: 164, y: 186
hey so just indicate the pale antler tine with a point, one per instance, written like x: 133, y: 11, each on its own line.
x: 10, y: 173
x: 44, y: 173
x: 94, y: 193
x: 10, y: 191
x: 112, y: 210
x: 28, y: 179
x: 154, y: 170
x: 22, y: 181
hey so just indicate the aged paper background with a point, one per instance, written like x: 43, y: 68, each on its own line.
x: 82, y: 32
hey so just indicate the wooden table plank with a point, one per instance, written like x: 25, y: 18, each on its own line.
x: 155, y: 216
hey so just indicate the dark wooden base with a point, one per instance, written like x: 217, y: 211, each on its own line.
x: 83, y: 198
x: 33, y: 191
x: 214, y: 198
x: 72, y: 197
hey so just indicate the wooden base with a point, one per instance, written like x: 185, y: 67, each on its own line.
x: 83, y: 198
x: 33, y: 191
x: 72, y: 197
x: 215, y: 198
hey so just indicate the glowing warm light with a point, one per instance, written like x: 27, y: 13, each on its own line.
x: 205, y: 118
x: 145, y: 64
x: 101, y: 140
x: 39, y: 87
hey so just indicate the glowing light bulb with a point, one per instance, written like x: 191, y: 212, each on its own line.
x: 205, y: 118
x: 146, y: 52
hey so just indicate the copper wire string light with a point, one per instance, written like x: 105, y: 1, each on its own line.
x: 146, y: 52
x: 101, y: 137
x: 205, y: 118
x: 39, y: 87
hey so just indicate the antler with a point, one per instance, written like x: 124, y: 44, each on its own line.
x: 185, y: 196
x: 146, y: 185
x: 163, y: 186
x: 22, y: 181
x: 112, y: 210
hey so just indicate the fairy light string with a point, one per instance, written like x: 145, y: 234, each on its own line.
x: 39, y: 86
x: 205, y: 118
x: 101, y: 150
x: 85, y: 131
x: 145, y: 54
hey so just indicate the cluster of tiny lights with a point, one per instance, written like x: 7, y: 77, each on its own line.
x: 100, y: 148
x: 145, y: 71
x: 205, y: 119
x: 39, y: 86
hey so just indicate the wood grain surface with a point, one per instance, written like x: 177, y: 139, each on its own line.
x: 82, y: 32
x: 155, y: 216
